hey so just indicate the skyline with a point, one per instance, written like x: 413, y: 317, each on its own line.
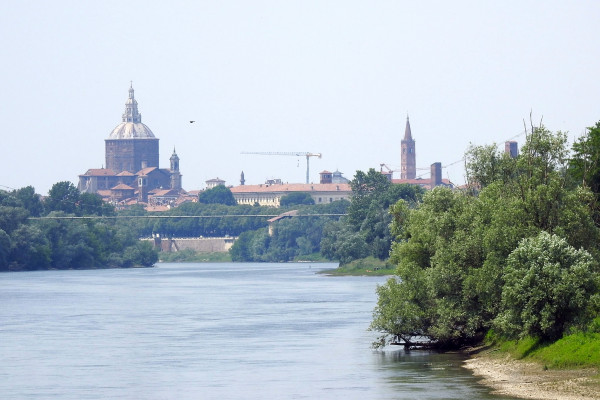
x: 336, y: 77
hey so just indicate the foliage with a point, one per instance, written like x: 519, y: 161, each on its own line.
x: 61, y: 243
x: 291, y: 238
x: 217, y: 195
x: 485, y: 165
x: 369, y: 266
x: 63, y: 196
x: 547, y: 284
x: 296, y: 198
x: 188, y: 255
x: 210, y: 227
x: 584, y: 164
x: 365, y: 231
x: 452, y: 250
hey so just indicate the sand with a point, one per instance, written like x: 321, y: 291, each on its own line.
x: 531, y: 381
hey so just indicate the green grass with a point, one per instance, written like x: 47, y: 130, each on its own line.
x: 192, y: 256
x: 370, y: 266
x: 578, y: 350
x: 315, y: 257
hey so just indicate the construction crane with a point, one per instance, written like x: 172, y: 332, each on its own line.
x: 289, y: 153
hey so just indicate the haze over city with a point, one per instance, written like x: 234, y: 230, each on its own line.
x: 334, y: 77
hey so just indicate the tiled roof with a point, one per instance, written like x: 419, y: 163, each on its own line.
x: 99, y: 172
x: 122, y: 186
x: 125, y: 173
x: 293, y: 187
x: 146, y: 171
x: 104, y: 193
x: 165, y: 192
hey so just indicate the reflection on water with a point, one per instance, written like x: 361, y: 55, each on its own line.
x: 210, y: 331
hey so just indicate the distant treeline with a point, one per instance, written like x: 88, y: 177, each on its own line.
x: 65, y: 244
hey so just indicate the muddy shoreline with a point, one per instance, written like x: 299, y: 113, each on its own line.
x: 528, y: 380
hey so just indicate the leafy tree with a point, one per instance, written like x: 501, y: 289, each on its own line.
x: 29, y: 248
x: 240, y: 251
x: 452, y: 250
x: 29, y: 200
x: 296, y: 198
x: 12, y: 217
x: 485, y: 165
x: 63, y: 196
x: 547, y: 287
x: 92, y: 204
x: 217, y: 195
x: 365, y: 231
x: 584, y: 164
x: 4, y: 250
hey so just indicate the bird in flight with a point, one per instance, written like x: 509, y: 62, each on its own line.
x: 191, y: 122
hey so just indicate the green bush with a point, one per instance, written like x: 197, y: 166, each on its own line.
x: 547, y: 287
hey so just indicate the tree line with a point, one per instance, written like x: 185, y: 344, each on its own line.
x: 515, y: 253
x: 27, y: 244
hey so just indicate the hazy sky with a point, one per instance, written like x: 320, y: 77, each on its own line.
x: 330, y: 77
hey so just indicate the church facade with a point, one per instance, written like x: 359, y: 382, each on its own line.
x: 132, y: 162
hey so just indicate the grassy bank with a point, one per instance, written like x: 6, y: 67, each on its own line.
x: 364, y: 267
x: 565, y: 369
x: 578, y: 350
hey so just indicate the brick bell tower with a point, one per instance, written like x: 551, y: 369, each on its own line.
x: 409, y: 161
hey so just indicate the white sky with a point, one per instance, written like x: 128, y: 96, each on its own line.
x: 330, y: 77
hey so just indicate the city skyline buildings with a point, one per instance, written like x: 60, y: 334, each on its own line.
x: 336, y: 78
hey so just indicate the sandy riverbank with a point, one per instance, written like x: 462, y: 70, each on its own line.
x: 530, y: 381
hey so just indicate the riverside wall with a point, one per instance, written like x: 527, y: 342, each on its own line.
x: 199, y: 245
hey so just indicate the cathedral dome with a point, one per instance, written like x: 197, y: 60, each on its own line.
x: 131, y: 126
x: 131, y: 130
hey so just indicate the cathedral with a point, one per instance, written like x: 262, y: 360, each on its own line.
x: 132, y: 168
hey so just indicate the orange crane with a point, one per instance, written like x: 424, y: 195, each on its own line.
x: 288, y: 153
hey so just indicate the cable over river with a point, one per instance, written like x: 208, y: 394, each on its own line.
x: 208, y: 331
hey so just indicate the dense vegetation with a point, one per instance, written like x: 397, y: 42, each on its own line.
x: 291, y: 237
x: 365, y: 231
x: 62, y: 243
x: 516, y: 254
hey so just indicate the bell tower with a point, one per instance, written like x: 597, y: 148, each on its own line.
x: 174, y: 170
x: 408, y: 163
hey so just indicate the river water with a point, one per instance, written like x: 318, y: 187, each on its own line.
x: 208, y: 331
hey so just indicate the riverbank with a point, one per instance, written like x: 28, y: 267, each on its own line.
x: 530, y: 380
x: 369, y: 266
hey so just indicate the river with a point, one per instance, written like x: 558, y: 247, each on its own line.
x: 208, y: 331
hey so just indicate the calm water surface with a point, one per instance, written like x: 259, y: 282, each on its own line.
x: 208, y: 331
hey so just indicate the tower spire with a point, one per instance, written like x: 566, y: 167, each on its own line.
x: 408, y: 156
x: 131, y: 113
x: 407, y: 132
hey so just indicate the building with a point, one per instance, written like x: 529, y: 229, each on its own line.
x: 332, y: 177
x: 434, y: 180
x: 131, y: 146
x: 408, y: 155
x: 212, y: 183
x: 132, y: 169
x: 271, y: 194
